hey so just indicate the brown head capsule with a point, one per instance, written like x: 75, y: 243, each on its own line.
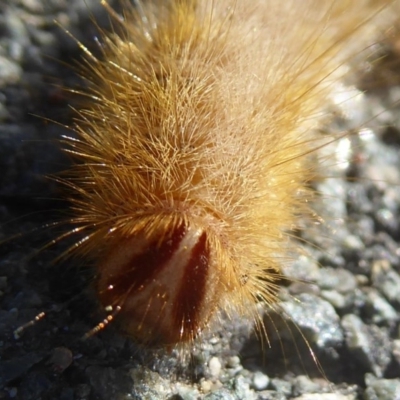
x: 168, y: 283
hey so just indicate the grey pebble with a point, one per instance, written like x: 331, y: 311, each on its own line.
x: 316, y: 318
x: 379, y: 309
x: 242, y: 388
x: 387, y: 220
x: 10, y: 72
x: 335, y: 298
x: 357, y: 339
x: 353, y: 242
x: 381, y: 389
x: 220, y: 394
x: 233, y: 362
x: 14, y: 28
x: 13, y: 392
x: 185, y: 392
x: 149, y: 385
x: 260, y: 381
x: 214, y: 366
x: 234, y: 366
x: 107, y: 381
x: 281, y: 386
x: 303, y: 384
x: 368, y: 345
x: 270, y: 395
x: 337, y: 279
x: 386, y: 280
x: 304, y: 268
x: 33, y: 6
x: 325, y: 396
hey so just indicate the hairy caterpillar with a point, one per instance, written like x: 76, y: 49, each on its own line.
x: 175, y: 157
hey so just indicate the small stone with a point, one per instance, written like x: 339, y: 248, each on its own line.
x: 215, y: 367
x: 270, y: 395
x: 147, y: 384
x: 352, y: 242
x: 303, y: 269
x: 386, y: 280
x: 336, y: 299
x: 233, y: 362
x: 234, y: 366
x: 387, y: 219
x: 369, y: 345
x: 260, y: 381
x: 34, y: 6
x: 381, y: 310
x: 60, y: 359
x: 214, y: 340
x: 221, y: 394
x: 242, y: 389
x: 13, y: 392
x: 381, y: 389
x: 281, y: 386
x: 303, y: 384
x: 10, y: 72
x: 206, y: 385
x: 362, y: 280
x: 186, y: 392
x: 316, y: 318
x: 337, y: 279
x: 325, y: 396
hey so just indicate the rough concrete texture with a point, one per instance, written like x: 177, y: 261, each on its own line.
x: 349, y: 316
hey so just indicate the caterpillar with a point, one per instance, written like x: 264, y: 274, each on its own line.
x: 194, y: 148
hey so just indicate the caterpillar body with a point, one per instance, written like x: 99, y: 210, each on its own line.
x: 183, y: 194
x: 195, y: 149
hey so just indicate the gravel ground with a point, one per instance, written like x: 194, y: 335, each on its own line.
x: 349, y: 315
